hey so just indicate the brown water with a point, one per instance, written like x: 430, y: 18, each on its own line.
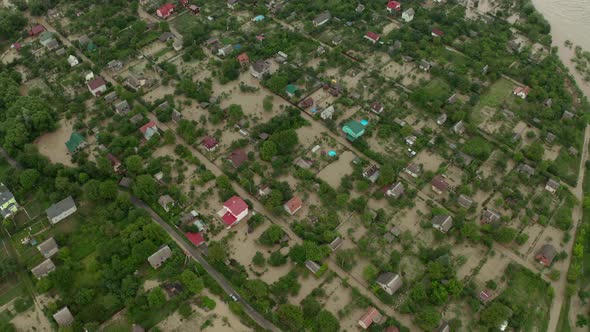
x: 570, y: 20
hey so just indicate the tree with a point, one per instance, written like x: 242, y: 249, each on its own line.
x: 217, y: 251
x: 291, y: 317
x: 277, y: 259
x: 28, y: 178
x: 145, y: 187
x: 268, y: 150
x: 108, y: 190
x: 346, y: 259
x: 190, y: 280
x: 494, y: 315
x: 134, y: 164
x: 427, y: 317
x: 285, y: 141
x: 11, y: 22
x: 271, y: 235
x: 267, y: 103
x: 156, y: 298
x: 258, y: 259
x: 478, y: 148
x: 370, y: 272
x: 325, y: 322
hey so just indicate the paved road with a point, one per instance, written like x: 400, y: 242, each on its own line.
x: 196, y: 255
x: 561, y: 284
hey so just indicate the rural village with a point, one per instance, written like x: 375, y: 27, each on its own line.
x: 290, y: 165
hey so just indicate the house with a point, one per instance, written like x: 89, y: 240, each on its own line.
x: 444, y: 327
x: 97, y: 86
x: 389, y: 282
x: 160, y: 256
x: 463, y: 158
x: 328, y: 113
x: 231, y: 4
x: 442, y: 222
x: 436, y: 32
x: 233, y: 211
x: 165, y: 11
x: 281, y: 57
x: 238, y: 157
x: 137, y: 118
x: 371, y: 173
x: 371, y: 316
x: 413, y: 170
x: 372, y: 37
x: 408, y: 15
x: 37, y: 29
x: 291, y: 90
x: 243, y: 59
x: 115, y: 163
x: 529, y: 171
x: 552, y: 186
x: 322, y: 19
x: 42, y: 270
x: 546, y: 254
x: 135, y: 83
x: 459, y: 128
x: 465, y: 201
x: 307, y: 102
x: 489, y: 216
x: 225, y: 51
x: 485, y: 296
x: 52, y: 45
x: 573, y: 151
x: 166, y: 36
x: 567, y: 115
x: 293, y: 205
x: 393, y: 7
x: 312, y: 266
x: 521, y: 92
x: 8, y: 204
x: 166, y: 202
x: 550, y: 138
x: 395, y: 190
x: 177, y: 45
x: 115, y: 65
x: 195, y: 238
x: 73, y: 61
x: 264, y: 190
x: 64, y: 317
x: 259, y: 68
x: 441, y: 119
x: 209, y: 143
x: 75, y: 143
x: 303, y: 163
x: 111, y: 97
x: 125, y: 182
x: 439, y: 185
x: 353, y: 130
x: 376, y: 107
x: 337, y: 40
x: 425, y: 65
x: 122, y: 107
x: 149, y: 130
x: 61, y: 210
x: 336, y: 243
x: 411, y: 140
x: 48, y: 248
x: 360, y: 8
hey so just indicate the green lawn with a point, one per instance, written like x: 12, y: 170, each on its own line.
x: 497, y: 94
x: 529, y: 297
x: 566, y: 167
x: 10, y: 290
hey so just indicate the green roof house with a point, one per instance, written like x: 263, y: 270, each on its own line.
x: 353, y: 130
x: 45, y: 37
x: 75, y: 143
x: 8, y: 205
x: 91, y: 46
x: 291, y: 89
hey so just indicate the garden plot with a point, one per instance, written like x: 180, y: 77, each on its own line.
x: 411, y: 268
x: 377, y: 60
x: 338, y: 169
x: 352, y: 231
x: 309, y: 136
x: 472, y: 256
x: 53, y: 144
x: 413, y: 78
x: 429, y: 161
x: 552, y: 152
x: 453, y: 176
x: 156, y: 50
x: 498, y: 95
x: 390, y: 27
x: 493, y: 268
x: 337, y: 296
x: 489, y: 122
x: 535, y: 233
x: 393, y: 69
x: 409, y: 219
x: 308, y: 283
x: 321, y: 100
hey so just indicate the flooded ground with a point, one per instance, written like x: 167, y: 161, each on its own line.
x: 53, y: 145
x: 335, y: 171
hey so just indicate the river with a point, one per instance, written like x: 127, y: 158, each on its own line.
x: 570, y: 20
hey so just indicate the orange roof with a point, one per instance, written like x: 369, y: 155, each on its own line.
x: 294, y: 204
x: 243, y: 58
x: 372, y: 315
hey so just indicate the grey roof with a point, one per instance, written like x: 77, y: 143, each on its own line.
x: 260, y: 66
x: 166, y: 36
x: 5, y: 196
x: 136, y: 118
x: 64, y: 317
x: 390, y: 280
x: 552, y: 184
x: 312, y: 266
x: 61, y: 206
x: 490, y: 215
x: 395, y: 231
x: 465, y: 158
x: 547, y: 251
x: 444, y: 222
x: 410, y: 11
x: 396, y: 190
x: 122, y: 106
x: 336, y: 243
x: 527, y: 169
x: 43, y: 269
x: 465, y: 201
x: 444, y: 327
x: 160, y: 256
x: 322, y: 17
x: 125, y: 182
x: 164, y: 200
x: 48, y: 247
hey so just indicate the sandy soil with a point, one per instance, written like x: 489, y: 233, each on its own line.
x: 52, y: 145
x: 390, y: 27
x: 32, y: 320
x: 150, y: 284
x: 307, y: 286
x: 336, y: 170
x: 493, y: 268
x: 551, y: 153
x: 221, y: 318
x: 473, y: 255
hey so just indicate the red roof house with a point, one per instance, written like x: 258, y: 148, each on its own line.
x: 238, y: 157
x: 393, y: 6
x: 437, y: 32
x: 522, y: 92
x: 166, y: 10
x: 308, y: 102
x: 373, y: 37
x: 97, y: 86
x: 37, y: 29
x: 243, y: 59
x: 260, y: 37
x: 439, y: 185
x: 293, y: 205
x: 195, y: 238
x: 233, y: 211
x: 17, y: 46
x: 209, y: 143
x: 546, y: 254
x: 116, y: 163
x: 377, y: 107
x: 148, y: 130
x: 371, y: 316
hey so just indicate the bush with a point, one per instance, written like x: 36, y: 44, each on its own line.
x: 22, y: 304
x: 185, y: 310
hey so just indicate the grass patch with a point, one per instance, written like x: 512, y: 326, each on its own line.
x: 566, y: 167
x: 529, y: 297
x: 563, y: 325
x: 11, y: 290
x: 497, y: 95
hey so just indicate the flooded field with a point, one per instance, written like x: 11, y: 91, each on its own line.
x: 53, y: 145
x: 336, y: 170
